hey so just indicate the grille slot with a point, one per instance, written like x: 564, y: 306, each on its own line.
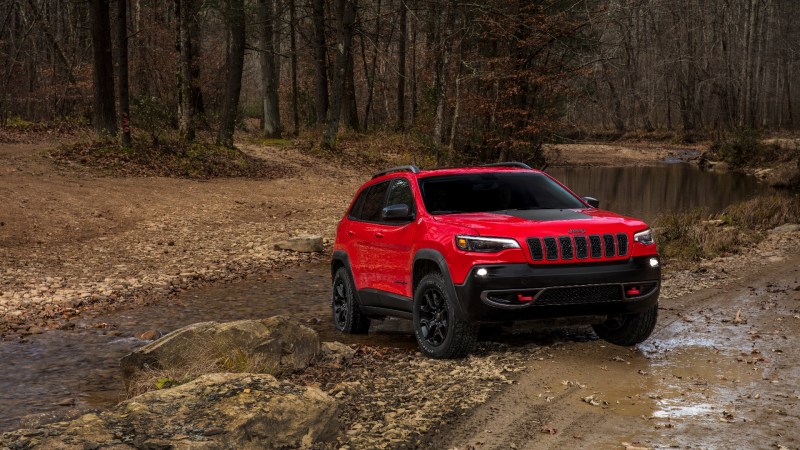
x: 597, y: 246
x: 608, y: 242
x: 551, y: 247
x: 535, y: 246
x: 579, y: 295
x: 622, y: 244
x: 581, y: 247
x: 566, y: 247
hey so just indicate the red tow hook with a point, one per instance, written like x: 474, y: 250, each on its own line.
x: 524, y: 298
x: 633, y: 291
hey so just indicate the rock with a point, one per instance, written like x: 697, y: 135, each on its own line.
x: 275, y: 345
x: 720, y: 166
x: 337, y: 351
x: 302, y: 244
x: 787, y: 228
x: 215, y: 411
x: 150, y: 335
x: 786, y: 176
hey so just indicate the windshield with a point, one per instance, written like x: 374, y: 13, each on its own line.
x: 494, y: 191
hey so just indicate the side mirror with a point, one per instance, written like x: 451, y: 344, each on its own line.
x: 593, y: 202
x: 399, y: 211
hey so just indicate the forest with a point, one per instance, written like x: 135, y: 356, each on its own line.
x: 483, y: 80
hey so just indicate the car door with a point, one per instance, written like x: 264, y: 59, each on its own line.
x: 361, y: 234
x: 392, y: 244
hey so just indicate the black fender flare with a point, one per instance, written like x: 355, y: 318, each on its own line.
x: 340, y: 257
x: 437, y: 258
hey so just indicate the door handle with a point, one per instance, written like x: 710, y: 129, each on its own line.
x: 378, y: 235
x: 351, y: 233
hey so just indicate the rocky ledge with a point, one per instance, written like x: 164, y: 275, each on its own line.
x: 215, y: 411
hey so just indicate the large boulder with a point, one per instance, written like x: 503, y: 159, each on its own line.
x: 215, y: 411
x: 276, y: 345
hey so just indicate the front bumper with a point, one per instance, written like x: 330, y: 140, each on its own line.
x: 518, y: 292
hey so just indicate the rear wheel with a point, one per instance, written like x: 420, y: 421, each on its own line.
x: 347, y: 317
x: 439, y: 332
x: 628, y: 329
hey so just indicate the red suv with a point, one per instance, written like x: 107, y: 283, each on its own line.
x: 451, y: 249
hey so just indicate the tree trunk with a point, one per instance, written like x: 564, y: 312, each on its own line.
x: 442, y: 67
x: 349, y: 104
x: 122, y: 74
x: 320, y: 60
x: 414, y: 70
x: 401, y: 68
x: 269, y: 73
x: 451, y: 148
x: 370, y: 73
x: 293, y: 48
x: 230, y: 107
x: 103, y: 74
x: 343, y: 54
x: 186, y: 107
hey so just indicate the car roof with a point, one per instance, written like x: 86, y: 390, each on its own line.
x: 490, y: 168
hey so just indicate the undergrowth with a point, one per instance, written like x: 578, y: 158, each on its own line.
x: 691, y: 236
x: 166, y: 159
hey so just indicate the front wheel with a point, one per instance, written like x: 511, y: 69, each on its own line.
x: 628, y: 329
x: 347, y: 317
x: 439, y: 332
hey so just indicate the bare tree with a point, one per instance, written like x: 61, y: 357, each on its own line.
x: 186, y: 105
x: 104, y: 109
x: 235, y: 16
x: 269, y: 72
x: 343, y: 58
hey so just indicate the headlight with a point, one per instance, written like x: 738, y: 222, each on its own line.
x: 644, y: 237
x: 484, y: 244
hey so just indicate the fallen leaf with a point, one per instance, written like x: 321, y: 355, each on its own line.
x: 739, y: 319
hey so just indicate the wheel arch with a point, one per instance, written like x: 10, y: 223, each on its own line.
x: 339, y: 260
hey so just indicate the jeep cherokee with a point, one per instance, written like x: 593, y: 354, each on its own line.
x: 451, y: 249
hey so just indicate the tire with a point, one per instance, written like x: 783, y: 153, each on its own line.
x: 440, y: 333
x: 630, y: 329
x: 347, y: 316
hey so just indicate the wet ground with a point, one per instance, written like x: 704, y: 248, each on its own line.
x: 64, y: 369
x: 707, y: 378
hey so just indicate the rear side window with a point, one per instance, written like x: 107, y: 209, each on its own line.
x: 373, y: 203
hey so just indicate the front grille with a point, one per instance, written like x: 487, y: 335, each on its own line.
x: 597, y: 246
x: 608, y: 241
x: 566, y: 247
x: 579, y: 295
x: 551, y: 248
x: 622, y: 244
x: 581, y: 247
x: 535, y: 246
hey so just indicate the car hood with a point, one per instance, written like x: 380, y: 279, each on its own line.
x: 521, y: 224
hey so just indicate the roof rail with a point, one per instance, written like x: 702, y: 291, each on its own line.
x: 412, y: 169
x: 509, y: 164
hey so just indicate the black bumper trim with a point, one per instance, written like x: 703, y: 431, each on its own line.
x: 474, y: 305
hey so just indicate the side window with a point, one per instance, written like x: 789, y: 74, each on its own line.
x: 400, y: 193
x: 355, y: 211
x: 373, y: 202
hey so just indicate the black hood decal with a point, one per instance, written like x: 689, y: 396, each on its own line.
x: 545, y: 215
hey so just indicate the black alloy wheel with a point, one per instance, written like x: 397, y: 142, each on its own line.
x: 433, y: 317
x: 347, y: 316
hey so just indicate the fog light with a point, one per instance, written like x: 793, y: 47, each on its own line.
x: 653, y: 262
x: 482, y: 272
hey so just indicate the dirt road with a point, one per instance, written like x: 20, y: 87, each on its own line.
x: 721, y: 371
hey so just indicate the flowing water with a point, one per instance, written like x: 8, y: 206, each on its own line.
x: 55, y: 370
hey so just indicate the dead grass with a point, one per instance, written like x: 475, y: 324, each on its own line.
x: 688, y: 237
x: 213, y: 356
